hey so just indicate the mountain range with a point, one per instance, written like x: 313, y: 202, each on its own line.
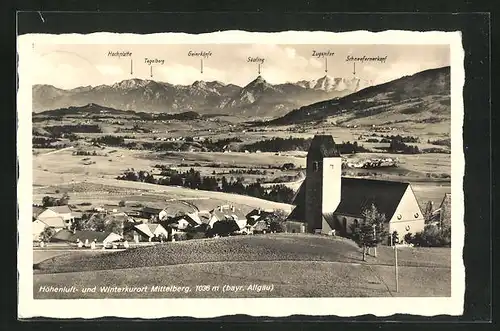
x: 420, y: 98
x: 259, y: 98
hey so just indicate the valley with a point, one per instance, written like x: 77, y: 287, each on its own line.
x: 83, y: 150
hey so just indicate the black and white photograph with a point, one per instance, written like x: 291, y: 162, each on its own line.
x: 236, y: 165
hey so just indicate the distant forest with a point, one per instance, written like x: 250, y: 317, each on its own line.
x: 298, y: 144
x: 192, y: 179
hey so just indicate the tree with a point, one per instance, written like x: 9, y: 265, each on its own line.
x: 48, y: 201
x: 114, y: 225
x: 63, y: 200
x: 121, y: 203
x: 428, y: 212
x: 96, y: 222
x: 225, y: 184
x: 277, y: 221
x: 47, y: 233
x: 370, y: 231
x: 432, y: 236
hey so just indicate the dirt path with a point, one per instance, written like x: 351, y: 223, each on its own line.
x: 56, y: 151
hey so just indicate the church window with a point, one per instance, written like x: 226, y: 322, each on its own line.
x: 315, y: 166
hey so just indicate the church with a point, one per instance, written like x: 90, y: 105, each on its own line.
x: 327, y: 201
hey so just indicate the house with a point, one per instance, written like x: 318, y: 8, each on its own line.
x: 258, y: 214
x: 49, y: 218
x: 38, y: 227
x: 149, y: 212
x: 65, y: 212
x: 258, y: 220
x: 146, y: 232
x: 53, y: 214
x: 37, y: 210
x: 187, y: 220
x: 327, y: 201
x: 227, y: 212
x: 85, y: 236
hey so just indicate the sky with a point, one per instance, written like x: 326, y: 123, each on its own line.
x: 69, y: 66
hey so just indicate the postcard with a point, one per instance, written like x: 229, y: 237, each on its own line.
x: 265, y: 174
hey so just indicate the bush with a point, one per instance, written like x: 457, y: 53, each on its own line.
x: 121, y: 203
x: 432, y: 236
x: 408, y: 238
x: 180, y: 236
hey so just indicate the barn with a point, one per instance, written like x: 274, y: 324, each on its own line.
x: 327, y: 201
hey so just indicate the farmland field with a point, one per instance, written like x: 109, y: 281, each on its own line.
x: 62, y: 171
x: 297, y: 265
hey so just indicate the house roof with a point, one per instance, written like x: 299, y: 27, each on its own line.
x: 53, y: 222
x: 228, y: 213
x: 358, y: 194
x: 254, y: 216
x: 60, y: 209
x: 258, y: 213
x: 323, y: 146
x: 37, y: 210
x: 195, y: 217
x: 151, y: 210
x: 299, y: 212
x: 148, y: 229
x: 66, y: 235
x: 204, y: 217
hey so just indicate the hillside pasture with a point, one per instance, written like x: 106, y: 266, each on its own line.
x: 296, y: 265
x: 100, y: 191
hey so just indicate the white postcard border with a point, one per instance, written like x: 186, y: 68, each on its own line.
x: 273, y: 307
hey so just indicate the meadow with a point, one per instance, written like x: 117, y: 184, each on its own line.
x: 296, y: 265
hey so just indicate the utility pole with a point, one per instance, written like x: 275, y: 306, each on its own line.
x: 396, y: 266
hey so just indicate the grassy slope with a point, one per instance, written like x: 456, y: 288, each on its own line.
x: 272, y: 247
x: 296, y: 265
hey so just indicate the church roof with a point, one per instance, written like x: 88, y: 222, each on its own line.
x: 323, y: 146
x: 358, y: 194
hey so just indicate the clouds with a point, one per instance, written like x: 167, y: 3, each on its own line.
x: 69, y: 66
x: 110, y: 69
x: 63, y: 70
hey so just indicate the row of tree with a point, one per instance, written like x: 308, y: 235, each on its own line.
x: 48, y: 201
x: 397, y: 146
x: 371, y: 232
x: 193, y: 179
x: 298, y: 144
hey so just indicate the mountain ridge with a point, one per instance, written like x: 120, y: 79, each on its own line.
x: 420, y: 97
x: 257, y: 98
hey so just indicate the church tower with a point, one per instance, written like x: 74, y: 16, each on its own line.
x: 323, y: 180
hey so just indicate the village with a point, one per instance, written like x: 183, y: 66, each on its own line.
x: 326, y: 203
x: 65, y: 225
